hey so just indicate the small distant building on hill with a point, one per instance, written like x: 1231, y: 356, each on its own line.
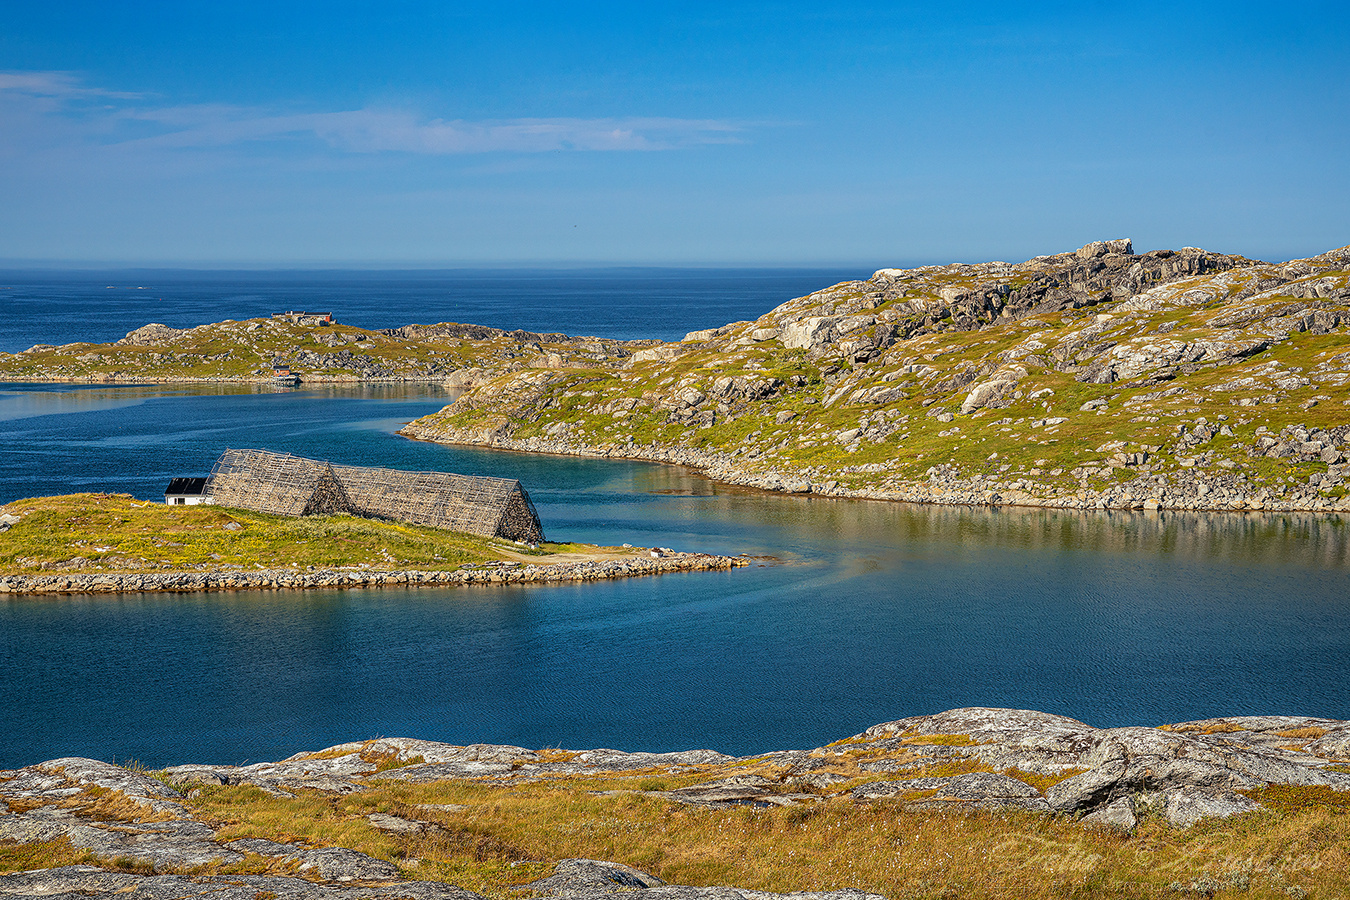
x: 186, y: 492
x: 295, y: 486
x: 282, y: 374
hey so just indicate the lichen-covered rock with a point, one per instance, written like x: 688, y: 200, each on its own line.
x: 89, y: 881
x: 573, y: 876
x: 590, y: 879
x: 1118, y: 814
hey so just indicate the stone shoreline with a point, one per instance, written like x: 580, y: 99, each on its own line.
x: 1178, y: 491
x: 483, y: 574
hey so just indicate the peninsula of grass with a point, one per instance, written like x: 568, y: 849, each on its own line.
x: 115, y: 533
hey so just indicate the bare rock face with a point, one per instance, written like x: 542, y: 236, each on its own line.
x: 151, y: 335
x: 574, y: 877
x: 1187, y: 771
x: 1118, y: 815
x: 978, y: 790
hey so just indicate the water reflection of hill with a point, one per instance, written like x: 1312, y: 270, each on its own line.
x: 1239, y: 538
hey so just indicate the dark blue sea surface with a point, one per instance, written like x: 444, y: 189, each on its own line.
x: 59, y: 307
x: 870, y: 611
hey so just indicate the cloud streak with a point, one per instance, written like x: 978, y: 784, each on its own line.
x: 131, y: 120
x: 62, y: 85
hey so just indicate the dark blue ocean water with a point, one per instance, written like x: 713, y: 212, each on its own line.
x: 56, y: 307
x: 874, y: 611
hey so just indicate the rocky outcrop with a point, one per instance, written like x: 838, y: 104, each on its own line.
x: 659, y: 563
x: 1017, y: 761
x: 573, y: 879
x: 883, y: 388
x: 152, y: 334
x: 589, y: 879
x: 1186, y: 771
x: 92, y: 881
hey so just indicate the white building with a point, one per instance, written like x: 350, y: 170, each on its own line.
x: 186, y: 492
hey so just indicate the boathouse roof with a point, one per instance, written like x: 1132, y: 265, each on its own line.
x: 295, y: 486
x: 185, y: 487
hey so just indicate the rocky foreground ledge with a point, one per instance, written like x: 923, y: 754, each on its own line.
x: 268, y: 579
x: 966, y: 759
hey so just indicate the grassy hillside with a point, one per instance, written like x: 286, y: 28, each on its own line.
x: 508, y: 835
x: 1216, y: 379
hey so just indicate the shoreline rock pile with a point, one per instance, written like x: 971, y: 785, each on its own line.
x: 267, y: 579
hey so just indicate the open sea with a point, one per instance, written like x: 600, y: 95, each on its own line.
x: 58, y: 307
x: 868, y: 612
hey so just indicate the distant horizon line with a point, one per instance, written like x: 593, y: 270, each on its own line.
x: 525, y: 266
x: 303, y: 266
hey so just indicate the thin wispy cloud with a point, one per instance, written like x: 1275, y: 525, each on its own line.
x: 65, y: 85
x: 131, y: 120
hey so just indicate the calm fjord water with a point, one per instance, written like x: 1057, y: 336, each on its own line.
x: 875, y: 611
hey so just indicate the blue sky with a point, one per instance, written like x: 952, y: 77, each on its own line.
x: 392, y: 134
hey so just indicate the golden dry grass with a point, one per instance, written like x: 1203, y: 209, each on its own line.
x: 15, y: 857
x: 499, y: 836
x: 510, y: 834
x: 1309, y: 733
x: 1203, y: 728
x: 104, y: 805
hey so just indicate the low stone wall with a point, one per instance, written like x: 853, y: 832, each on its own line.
x: 263, y: 579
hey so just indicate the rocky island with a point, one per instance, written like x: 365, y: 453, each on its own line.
x: 113, y: 543
x: 970, y: 802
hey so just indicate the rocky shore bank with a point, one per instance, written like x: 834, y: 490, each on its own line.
x: 264, y: 579
x: 1177, y: 490
x: 142, y: 835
